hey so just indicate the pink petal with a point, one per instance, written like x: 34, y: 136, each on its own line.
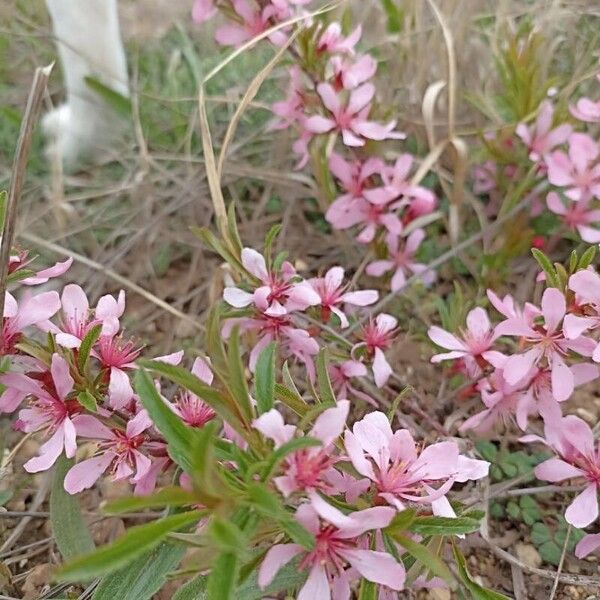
x: 42, y: 276
x: 203, y: 10
x: 329, y: 97
x: 556, y: 469
x: 470, y: 469
x: 361, y: 298
x: 202, y: 370
x: 378, y: 567
x: 518, y: 365
x: 120, y: 391
x: 69, y: 437
x: 75, y: 304
x: 341, y: 169
x: 563, y: 381
x: 587, y: 545
x: 554, y: 306
x: 381, y: 368
x: 574, y: 326
x: 35, y: 309
x: 437, y: 461
x: 49, y: 452
x: 378, y: 267
x: 330, y: 423
x: 351, y: 140
x: 357, y: 457
x: 254, y: 263
x: 478, y: 322
x: 376, y: 517
x: 584, y: 508
x: 63, y: 382
x: 318, y: 124
x: 360, y: 97
x: 83, y: 475
x: 442, y: 338
x: 237, y: 297
x: 586, y: 284
x: 276, y: 557
x: 231, y: 35
x: 271, y: 425
x: 316, y: 586
x: 90, y: 427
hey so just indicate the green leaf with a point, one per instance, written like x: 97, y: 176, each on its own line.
x: 395, y: 16
x: 121, y: 104
x: 236, y: 377
x: 70, y: 531
x: 223, y: 577
x: 143, y: 577
x: 573, y: 261
x: 291, y: 400
x: 426, y: 526
x: 5, y: 496
x: 270, y: 506
x: 430, y: 561
x: 401, y: 521
x: 177, y: 434
x: 367, y: 591
x: 87, y: 400
x: 540, y: 533
x: 264, y: 379
x: 134, y: 542
x: 227, y: 537
x: 269, y: 239
x: 194, y: 589
x: 548, y: 268
x: 3, y: 205
x: 167, y: 496
x: 325, y: 389
x: 477, y: 591
x: 587, y: 258
x: 85, y: 348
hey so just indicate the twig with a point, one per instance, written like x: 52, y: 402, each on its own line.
x: 560, y: 564
x: 32, y: 111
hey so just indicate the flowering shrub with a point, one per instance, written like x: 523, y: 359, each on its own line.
x: 271, y: 449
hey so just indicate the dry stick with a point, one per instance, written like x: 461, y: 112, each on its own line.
x: 32, y: 111
x: 440, y: 260
x: 560, y: 564
x: 134, y: 287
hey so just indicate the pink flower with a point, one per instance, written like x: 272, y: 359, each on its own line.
x: 51, y: 409
x: 541, y: 138
x: 338, y: 542
x: 474, y: 346
x: 118, y: 450
x: 32, y: 310
x: 400, y: 472
x: 401, y: 260
x: 586, y: 285
x: 586, y: 109
x: 577, y: 172
x: 333, y: 41
x: 331, y: 293
x: 577, y: 216
x: 280, y: 292
x: 203, y: 10
x: 378, y: 336
x: 579, y: 458
x: 484, y: 177
x: 290, y: 110
x: 306, y: 469
x: 193, y: 411
x: 341, y: 375
x: 349, y: 73
x: 397, y: 185
x: 44, y: 275
x: 545, y: 343
x: 351, y: 118
x: 253, y: 23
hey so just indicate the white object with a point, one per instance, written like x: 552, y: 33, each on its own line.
x: 89, y: 44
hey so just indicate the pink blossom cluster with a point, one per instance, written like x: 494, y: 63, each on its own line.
x: 279, y: 305
x: 332, y: 93
x: 529, y: 365
x: 566, y: 167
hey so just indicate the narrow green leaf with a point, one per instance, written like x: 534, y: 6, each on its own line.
x: 287, y: 578
x: 227, y: 537
x: 167, y: 496
x: 367, y: 591
x: 144, y: 577
x: 177, y: 434
x: 544, y: 262
x: 401, y: 521
x: 87, y: 400
x: 426, y: 526
x: 431, y: 561
x: 222, y: 580
x: 85, y: 348
x: 573, y: 258
x: 3, y: 205
x: 5, y: 496
x: 232, y: 229
x: 587, y: 258
x: 70, y: 531
x: 134, y: 542
x: 291, y: 400
x: 194, y: 589
x: 269, y: 239
x: 477, y: 591
x: 394, y: 16
x: 325, y: 389
x: 264, y: 379
x: 114, y: 99
x: 236, y: 376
